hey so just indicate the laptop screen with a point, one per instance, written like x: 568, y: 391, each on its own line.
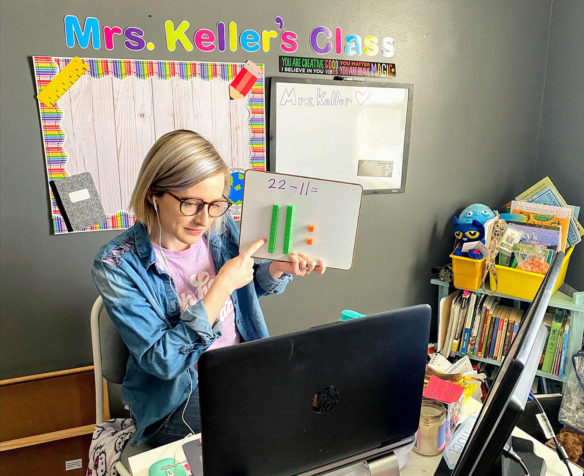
x: 295, y: 402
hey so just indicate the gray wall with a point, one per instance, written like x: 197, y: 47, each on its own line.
x: 561, y: 146
x: 478, y: 73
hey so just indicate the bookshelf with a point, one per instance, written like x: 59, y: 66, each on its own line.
x: 47, y: 421
x: 559, y: 300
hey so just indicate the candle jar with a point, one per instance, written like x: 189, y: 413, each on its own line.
x: 431, y: 434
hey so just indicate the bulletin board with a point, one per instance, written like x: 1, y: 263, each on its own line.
x: 106, y: 122
x: 325, y: 216
x: 350, y: 130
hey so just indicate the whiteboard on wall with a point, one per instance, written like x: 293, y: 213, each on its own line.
x: 351, y: 130
x: 324, y: 220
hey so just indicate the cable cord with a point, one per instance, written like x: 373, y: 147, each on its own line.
x: 187, y: 403
x: 173, y: 286
x: 560, y: 450
x: 179, y: 447
x: 510, y: 452
x: 172, y: 283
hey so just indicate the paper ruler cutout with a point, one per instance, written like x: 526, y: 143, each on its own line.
x: 61, y: 83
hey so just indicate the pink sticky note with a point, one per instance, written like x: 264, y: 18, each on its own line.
x: 442, y: 390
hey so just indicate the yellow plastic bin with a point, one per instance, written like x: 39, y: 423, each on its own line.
x: 524, y: 284
x: 468, y: 272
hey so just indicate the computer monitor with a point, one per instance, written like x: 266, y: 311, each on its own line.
x: 508, y: 396
x: 314, y: 400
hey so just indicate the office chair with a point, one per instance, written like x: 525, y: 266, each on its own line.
x: 110, y: 355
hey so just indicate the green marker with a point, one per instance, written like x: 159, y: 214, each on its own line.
x: 288, y: 233
x: 273, y: 228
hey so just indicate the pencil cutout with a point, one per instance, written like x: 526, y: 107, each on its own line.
x: 244, y: 80
x: 288, y: 232
x: 273, y: 228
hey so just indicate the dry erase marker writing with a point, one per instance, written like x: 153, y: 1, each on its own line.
x: 304, y: 188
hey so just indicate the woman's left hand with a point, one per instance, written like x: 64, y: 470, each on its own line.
x: 300, y: 265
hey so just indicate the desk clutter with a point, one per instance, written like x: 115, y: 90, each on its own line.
x: 514, y: 248
x: 451, y: 400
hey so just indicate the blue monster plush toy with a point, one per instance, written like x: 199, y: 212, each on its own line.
x: 466, y: 232
x: 476, y: 211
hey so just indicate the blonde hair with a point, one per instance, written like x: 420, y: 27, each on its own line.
x: 177, y: 160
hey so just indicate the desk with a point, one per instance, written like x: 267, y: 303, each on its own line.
x: 140, y: 463
x: 417, y: 466
x: 426, y: 465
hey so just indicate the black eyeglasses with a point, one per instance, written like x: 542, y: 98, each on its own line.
x: 192, y: 206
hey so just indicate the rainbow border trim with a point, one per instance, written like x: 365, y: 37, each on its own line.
x: 47, y: 67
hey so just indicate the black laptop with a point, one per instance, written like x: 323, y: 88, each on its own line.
x: 316, y: 399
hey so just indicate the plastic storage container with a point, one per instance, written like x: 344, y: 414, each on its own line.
x: 468, y: 272
x: 523, y: 284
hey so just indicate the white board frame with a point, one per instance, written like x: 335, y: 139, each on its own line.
x: 333, y: 207
x: 279, y: 162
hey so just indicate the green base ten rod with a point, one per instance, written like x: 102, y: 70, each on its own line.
x: 273, y: 228
x: 288, y: 233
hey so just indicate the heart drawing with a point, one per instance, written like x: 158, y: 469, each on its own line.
x: 362, y: 97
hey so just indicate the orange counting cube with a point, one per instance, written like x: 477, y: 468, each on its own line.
x: 310, y: 228
x: 309, y: 241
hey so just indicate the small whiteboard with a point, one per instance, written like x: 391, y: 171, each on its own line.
x: 351, y: 130
x: 325, y: 213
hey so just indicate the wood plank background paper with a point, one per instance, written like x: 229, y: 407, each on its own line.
x: 108, y: 120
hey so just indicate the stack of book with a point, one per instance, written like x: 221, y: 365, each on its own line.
x: 481, y: 327
x: 534, y: 233
x: 553, y: 359
x: 545, y: 193
x: 539, y: 223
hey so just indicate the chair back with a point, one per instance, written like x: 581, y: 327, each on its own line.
x: 114, y: 353
x: 110, y: 354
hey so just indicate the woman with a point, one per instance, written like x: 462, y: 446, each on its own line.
x: 175, y: 284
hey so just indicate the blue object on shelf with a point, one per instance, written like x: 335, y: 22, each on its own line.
x: 347, y: 314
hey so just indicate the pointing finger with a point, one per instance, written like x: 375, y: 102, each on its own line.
x: 256, y: 245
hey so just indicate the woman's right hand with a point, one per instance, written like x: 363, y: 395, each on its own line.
x: 238, y: 271
x: 235, y: 273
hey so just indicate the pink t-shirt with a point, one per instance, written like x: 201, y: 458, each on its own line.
x: 193, y: 272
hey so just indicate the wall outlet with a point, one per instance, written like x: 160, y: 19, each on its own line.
x: 73, y: 464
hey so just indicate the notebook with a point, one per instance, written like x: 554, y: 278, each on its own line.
x: 318, y: 398
x: 78, y: 201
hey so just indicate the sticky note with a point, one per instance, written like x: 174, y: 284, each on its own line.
x: 442, y: 390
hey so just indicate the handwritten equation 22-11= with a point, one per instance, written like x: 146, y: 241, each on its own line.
x: 282, y: 184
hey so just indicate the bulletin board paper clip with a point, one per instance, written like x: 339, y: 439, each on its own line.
x: 61, y: 83
x: 244, y: 80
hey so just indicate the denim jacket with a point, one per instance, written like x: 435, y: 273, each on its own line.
x: 164, y: 343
